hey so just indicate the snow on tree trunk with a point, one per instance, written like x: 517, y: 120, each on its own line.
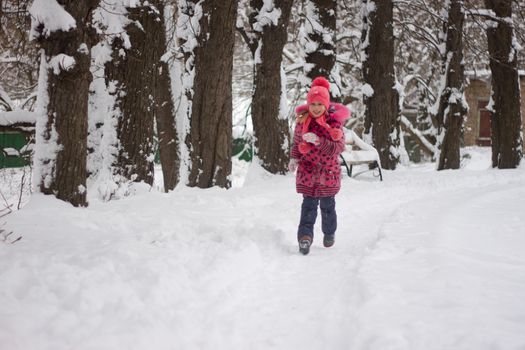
x: 452, y: 105
x: 207, y: 30
x: 318, y: 40
x: 187, y: 31
x: 506, y: 125
x: 269, y: 23
x: 64, y: 32
x: 380, y: 95
x: 105, y: 177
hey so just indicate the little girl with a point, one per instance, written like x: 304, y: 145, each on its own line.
x: 318, y: 141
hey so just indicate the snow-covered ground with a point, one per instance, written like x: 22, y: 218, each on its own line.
x: 424, y: 260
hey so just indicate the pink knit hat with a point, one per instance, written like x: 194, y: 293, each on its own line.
x: 319, y: 92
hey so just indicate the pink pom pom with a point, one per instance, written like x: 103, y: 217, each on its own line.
x: 336, y: 134
x: 304, y: 147
x: 321, y: 81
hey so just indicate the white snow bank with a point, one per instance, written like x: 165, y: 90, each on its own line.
x: 423, y: 260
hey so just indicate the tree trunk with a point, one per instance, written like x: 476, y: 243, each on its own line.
x: 210, y: 138
x: 163, y: 102
x: 452, y: 107
x: 321, y: 56
x: 65, y: 129
x: 506, y: 115
x: 382, y: 107
x: 270, y: 124
x: 132, y: 70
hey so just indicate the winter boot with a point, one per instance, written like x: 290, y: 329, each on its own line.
x: 328, y: 240
x: 304, y: 244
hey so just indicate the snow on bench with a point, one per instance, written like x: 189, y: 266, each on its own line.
x: 366, y: 154
x: 10, y: 152
x: 17, y: 117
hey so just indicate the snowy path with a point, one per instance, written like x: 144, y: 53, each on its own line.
x: 425, y: 260
x: 444, y: 275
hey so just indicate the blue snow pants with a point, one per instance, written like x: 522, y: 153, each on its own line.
x: 309, y: 215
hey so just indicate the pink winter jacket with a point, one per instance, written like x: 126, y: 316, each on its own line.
x: 319, y: 172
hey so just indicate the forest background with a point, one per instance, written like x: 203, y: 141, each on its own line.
x: 111, y: 86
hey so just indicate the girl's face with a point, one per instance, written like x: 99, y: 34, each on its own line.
x: 316, y: 109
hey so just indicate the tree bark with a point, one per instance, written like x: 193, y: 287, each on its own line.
x: 163, y: 107
x: 382, y: 108
x: 505, y: 115
x: 323, y: 57
x: 210, y: 137
x: 67, y: 108
x: 132, y: 71
x: 452, y: 107
x: 270, y: 124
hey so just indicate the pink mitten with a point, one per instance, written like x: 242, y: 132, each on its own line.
x: 336, y: 134
x: 304, y: 147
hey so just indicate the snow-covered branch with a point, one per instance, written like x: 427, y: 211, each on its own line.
x: 5, y: 100
x: 48, y: 17
x: 423, y: 33
x: 425, y: 144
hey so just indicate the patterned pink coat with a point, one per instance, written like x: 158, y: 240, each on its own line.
x: 319, y: 170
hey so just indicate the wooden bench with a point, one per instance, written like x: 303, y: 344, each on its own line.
x: 365, y: 155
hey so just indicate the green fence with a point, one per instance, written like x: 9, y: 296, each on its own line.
x: 12, y: 147
x: 12, y: 144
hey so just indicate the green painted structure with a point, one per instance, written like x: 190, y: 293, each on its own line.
x: 12, y: 146
x: 243, y: 149
x: 13, y: 153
